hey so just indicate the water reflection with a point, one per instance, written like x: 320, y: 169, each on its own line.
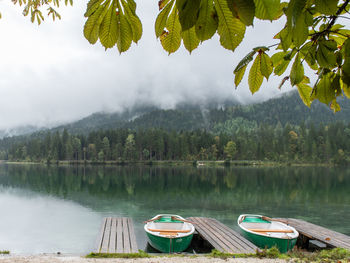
x: 32, y: 223
x: 319, y: 195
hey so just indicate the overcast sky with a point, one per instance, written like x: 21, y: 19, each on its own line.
x: 49, y: 74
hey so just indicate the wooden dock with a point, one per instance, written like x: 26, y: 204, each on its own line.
x: 309, y: 231
x: 116, y: 236
x: 222, y: 237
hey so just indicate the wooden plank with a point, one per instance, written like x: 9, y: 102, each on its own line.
x: 116, y: 236
x: 231, y: 247
x: 327, y: 236
x: 134, y: 248
x: 126, y: 240
x: 238, y: 241
x: 100, y: 236
x: 234, y: 241
x: 105, y: 242
x: 221, y: 237
x: 119, y: 236
x: 313, y: 231
x: 113, y: 236
x: 204, y: 234
x: 246, y: 244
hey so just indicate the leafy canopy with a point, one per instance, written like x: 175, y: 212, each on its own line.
x: 311, y: 37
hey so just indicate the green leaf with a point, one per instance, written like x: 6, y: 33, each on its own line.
x: 245, y: 61
x: 346, y: 48
x: 300, y: 31
x: 309, y: 53
x: 267, y: 9
x: 278, y: 58
x: 124, y: 32
x: 261, y: 49
x: 323, y: 90
x: 162, y: 4
x: 325, y: 55
x: 255, y: 78
x: 188, y: 12
x: 207, y: 23
x: 108, y: 31
x: 266, y: 65
x: 346, y: 90
x: 281, y: 9
x: 230, y: 29
x: 190, y: 39
x: 245, y: 10
x: 92, y: 6
x: 295, y: 8
x: 335, y: 106
x: 281, y: 68
x: 171, y: 40
x: 327, y: 7
x: 346, y: 66
x: 162, y: 19
x: 280, y: 63
x: 305, y: 93
x: 336, y: 85
x: 346, y: 71
x: 286, y: 38
x: 239, y: 75
x: 133, y: 19
x: 297, y: 72
x: 132, y: 6
x: 92, y: 25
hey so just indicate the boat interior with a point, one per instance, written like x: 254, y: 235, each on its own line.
x: 271, y: 229
x: 170, y: 228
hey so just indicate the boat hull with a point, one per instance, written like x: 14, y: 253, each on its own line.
x: 265, y: 233
x: 283, y: 245
x: 169, y: 233
x: 169, y: 245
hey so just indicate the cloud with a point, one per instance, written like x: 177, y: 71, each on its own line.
x: 50, y: 74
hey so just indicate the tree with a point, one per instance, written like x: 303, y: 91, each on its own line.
x: 105, y: 147
x: 230, y: 150
x: 310, y: 38
x: 129, y: 151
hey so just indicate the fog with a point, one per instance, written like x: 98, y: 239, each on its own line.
x: 49, y: 74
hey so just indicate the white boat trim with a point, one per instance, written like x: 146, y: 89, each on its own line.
x: 275, y: 224
x: 184, y: 226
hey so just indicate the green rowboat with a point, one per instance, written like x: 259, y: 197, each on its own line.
x: 266, y: 233
x: 169, y: 233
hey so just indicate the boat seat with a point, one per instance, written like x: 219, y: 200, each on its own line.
x: 272, y: 230
x: 169, y: 230
x: 168, y: 234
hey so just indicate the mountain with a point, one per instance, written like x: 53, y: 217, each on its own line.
x: 287, y: 108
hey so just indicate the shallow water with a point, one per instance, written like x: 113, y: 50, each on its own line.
x: 50, y: 209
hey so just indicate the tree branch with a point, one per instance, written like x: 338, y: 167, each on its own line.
x: 332, y: 21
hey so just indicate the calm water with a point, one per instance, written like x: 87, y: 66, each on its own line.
x: 51, y: 209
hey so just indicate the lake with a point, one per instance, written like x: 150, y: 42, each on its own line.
x: 49, y: 209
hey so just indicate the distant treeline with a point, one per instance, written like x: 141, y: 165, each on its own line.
x: 321, y: 143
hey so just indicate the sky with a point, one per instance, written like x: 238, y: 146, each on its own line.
x: 50, y: 74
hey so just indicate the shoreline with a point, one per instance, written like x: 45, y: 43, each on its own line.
x: 44, y: 258
x: 198, y: 164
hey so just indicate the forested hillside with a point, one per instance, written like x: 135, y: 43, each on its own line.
x: 280, y: 129
x: 327, y: 144
x: 285, y: 109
